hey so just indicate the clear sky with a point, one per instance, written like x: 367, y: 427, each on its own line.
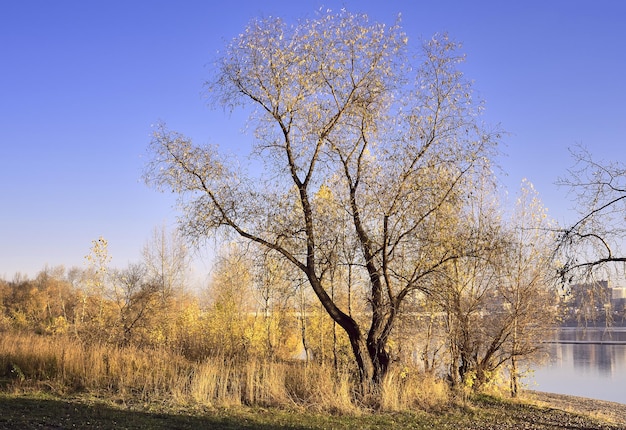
x: 83, y: 81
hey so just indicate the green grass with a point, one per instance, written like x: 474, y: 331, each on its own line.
x: 20, y: 411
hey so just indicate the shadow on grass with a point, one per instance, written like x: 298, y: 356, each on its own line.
x: 24, y: 412
x: 31, y: 413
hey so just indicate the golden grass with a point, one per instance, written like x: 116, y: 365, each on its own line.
x: 404, y: 390
x: 130, y: 375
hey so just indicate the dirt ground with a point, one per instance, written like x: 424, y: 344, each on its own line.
x: 611, y: 411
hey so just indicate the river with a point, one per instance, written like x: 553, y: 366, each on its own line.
x: 584, y: 362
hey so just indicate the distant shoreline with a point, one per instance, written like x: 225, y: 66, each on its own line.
x: 586, y: 342
x: 593, y: 325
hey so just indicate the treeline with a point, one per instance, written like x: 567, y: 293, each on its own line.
x: 481, y: 318
x: 130, y: 310
x: 246, y: 311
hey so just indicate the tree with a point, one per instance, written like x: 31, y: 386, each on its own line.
x: 46, y: 304
x: 135, y: 299
x: 499, y: 302
x: 276, y: 296
x: 590, y: 249
x: 60, y: 299
x: 339, y: 103
x: 467, y: 292
x: 232, y: 303
x: 528, y: 285
x: 166, y: 260
x: 592, y: 243
x: 95, y: 283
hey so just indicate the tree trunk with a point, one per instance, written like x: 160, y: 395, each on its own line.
x: 364, y: 364
x: 514, y: 385
x: 380, y: 360
x: 370, y: 355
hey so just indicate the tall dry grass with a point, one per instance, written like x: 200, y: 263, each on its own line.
x: 404, y: 389
x: 130, y: 375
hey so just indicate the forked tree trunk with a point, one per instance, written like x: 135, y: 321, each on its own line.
x: 364, y: 364
x: 380, y: 360
x: 372, y: 363
x: 370, y: 356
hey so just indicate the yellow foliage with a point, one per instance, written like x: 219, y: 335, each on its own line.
x: 58, y: 326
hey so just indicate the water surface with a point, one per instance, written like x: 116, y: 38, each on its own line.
x: 584, y: 362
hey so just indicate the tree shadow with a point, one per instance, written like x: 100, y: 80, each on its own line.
x: 28, y: 413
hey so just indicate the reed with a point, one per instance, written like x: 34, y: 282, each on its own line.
x: 406, y: 389
x: 131, y: 375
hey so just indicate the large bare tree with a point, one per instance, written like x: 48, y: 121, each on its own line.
x: 340, y: 104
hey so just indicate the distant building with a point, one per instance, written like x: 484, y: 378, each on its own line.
x: 618, y: 293
x: 592, y: 295
x: 618, y: 299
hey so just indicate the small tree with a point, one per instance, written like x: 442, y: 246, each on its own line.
x: 60, y: 299
x: 276, y: 296
x: 232, y: 303
x: 528, y: 287
x: 166, y: 260
x: 135, y: 299
x: 94, y: 308
x: 467, y: 292
x: 499, y: 302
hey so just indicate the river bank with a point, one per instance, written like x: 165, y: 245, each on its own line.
x: 608, y: 411
x: 534, y: 410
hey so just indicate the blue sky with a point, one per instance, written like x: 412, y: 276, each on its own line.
x: 83, y: 81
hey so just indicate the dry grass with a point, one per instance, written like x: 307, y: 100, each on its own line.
x: 130, y: 376
x: 404, y: 390
x: 129, y: 384
x: 65, y: 365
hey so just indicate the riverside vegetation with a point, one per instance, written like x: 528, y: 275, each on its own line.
x: 171, y: 370
x: 60, y: 383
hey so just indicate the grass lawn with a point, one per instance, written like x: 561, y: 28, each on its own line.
x: 43, y: 412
